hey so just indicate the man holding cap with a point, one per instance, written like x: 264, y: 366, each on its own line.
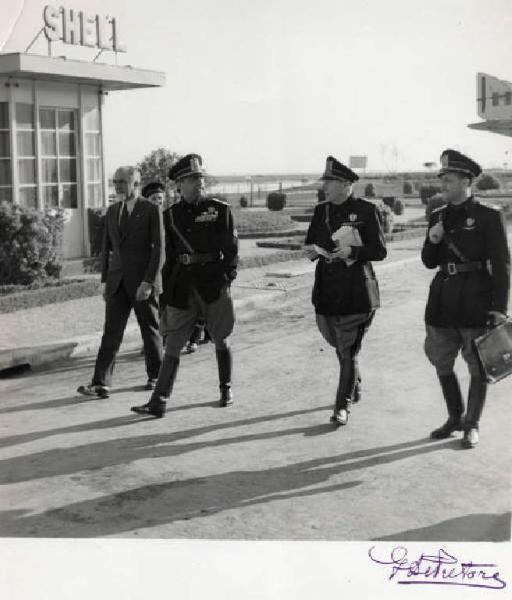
x: 344, y: 235
x: 201, y: 262
x: 467, y: 243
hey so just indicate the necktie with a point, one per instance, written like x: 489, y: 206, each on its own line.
x: 123, y: 221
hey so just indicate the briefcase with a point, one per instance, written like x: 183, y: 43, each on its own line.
x: 494, y: 349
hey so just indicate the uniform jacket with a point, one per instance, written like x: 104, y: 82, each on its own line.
x: 136, y: 256
x: 463, y: 300
x: 340, y: 289
x: 208, y: 227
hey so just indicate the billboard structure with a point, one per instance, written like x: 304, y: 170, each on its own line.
x: 358, y: 162
x: 494, y: 104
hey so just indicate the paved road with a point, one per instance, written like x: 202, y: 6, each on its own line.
x: 271, y: 466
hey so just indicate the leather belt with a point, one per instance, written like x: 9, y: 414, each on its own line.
x: 198, y: 258
x: 454, y: 268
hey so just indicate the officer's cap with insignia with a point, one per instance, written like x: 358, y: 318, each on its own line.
x: 336, y: 170
x: 453, y: 161
x: 191, y: 164
x: 154, y: 187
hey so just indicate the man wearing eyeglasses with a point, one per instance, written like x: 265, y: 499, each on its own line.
x: 132, y: 256
x: 201, y: 247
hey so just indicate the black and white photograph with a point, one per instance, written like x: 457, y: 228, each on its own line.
x: 255, y: 316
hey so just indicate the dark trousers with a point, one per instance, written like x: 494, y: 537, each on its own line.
x: 117, y: 311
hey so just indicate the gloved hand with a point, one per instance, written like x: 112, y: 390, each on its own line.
x: 436, y: 233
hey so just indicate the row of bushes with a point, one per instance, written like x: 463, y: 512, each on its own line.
x: 30, y: 244
x: 14, y: 298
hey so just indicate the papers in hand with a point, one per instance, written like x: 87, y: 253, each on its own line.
x: 343, y: 237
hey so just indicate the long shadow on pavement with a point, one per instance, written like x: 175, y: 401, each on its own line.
x: 469, y: 528
x: 198, y: 497
x: 124, y: 421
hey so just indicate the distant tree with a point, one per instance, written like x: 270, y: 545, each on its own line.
x: 408, y: 189
x: 398, y: 207
x: 276, y: 200
x: 155, y: 167
x: 487, y: 182
x: 369, y: 190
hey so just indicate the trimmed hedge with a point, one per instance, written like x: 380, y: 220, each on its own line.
x: 21, y: 297
x: 251, y: 221
x: 276, y: 201
x: 30, y: 244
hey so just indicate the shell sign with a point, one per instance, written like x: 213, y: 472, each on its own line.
x: 81, y: 28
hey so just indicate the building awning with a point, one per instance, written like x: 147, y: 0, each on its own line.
x: 52, y: 68
x: 501, y: 126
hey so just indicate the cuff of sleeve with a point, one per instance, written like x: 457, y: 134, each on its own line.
x: 354, y: 252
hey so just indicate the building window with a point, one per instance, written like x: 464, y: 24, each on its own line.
x: 508, y: 98
x: 5, y: 154
x: 58, y: 157
x: 495, y: 99
x: 26, y: 154
x: 93, y: 159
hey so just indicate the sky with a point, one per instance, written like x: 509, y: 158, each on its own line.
x: 274, y: 86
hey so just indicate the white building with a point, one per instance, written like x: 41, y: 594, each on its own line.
x: 51, y: 123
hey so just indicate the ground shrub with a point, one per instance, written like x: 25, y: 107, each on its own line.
x: 30, y: 244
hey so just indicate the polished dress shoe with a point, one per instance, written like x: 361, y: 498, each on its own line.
x: 470, y: 439
x: 340, y: 416
x: 191, y: 348
x: 100, y: 391
x: 152, y: 408
x: 226, y: 396
x: 447, y: 429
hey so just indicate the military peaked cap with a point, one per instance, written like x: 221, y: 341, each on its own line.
x: 336, y: 170
x: 152, y: 188
x: 453, y: 161
x: 191, y: 164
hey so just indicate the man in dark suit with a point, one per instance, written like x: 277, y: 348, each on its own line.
x: 132, y: 257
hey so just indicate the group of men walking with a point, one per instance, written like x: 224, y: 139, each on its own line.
x: 177, y: 267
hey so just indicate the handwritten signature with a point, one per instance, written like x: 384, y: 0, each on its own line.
x: 438, y: 569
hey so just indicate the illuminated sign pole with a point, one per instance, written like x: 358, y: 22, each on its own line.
x: 80, y: 28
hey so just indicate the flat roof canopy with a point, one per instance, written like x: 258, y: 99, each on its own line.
x: 502, y: 126
x: 52, y: 68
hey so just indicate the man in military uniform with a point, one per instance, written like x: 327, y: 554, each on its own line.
x: 155, y: 192
x: 344, y: 235
x: 467, y: 243
x: 201, y: 262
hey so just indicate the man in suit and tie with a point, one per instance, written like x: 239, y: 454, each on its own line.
x: 132, y: 256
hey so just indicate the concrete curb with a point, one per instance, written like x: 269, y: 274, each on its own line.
x: 88, y: 345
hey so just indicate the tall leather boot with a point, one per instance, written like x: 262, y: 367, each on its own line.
x: 225, y: 365
x: 344, y: 392
x: 476, y: 400
x: 165, y: 382
x: 454, y: 404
